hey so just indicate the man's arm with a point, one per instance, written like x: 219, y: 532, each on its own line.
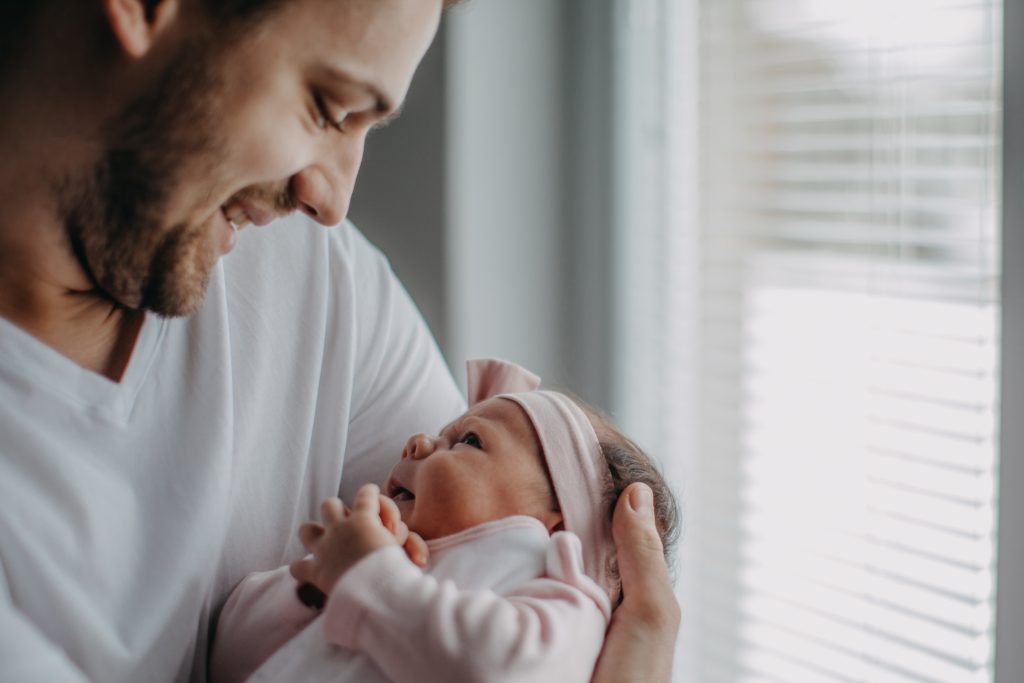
x: 641, y: 640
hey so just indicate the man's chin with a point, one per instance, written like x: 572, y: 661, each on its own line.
x: 179, y: 275
x: 173, y: 292
x: 176, y: 300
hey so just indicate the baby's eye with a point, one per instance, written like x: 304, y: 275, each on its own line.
x: 471, y: 439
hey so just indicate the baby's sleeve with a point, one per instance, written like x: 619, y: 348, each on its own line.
x: 260, y: 615
x: 417, y: 628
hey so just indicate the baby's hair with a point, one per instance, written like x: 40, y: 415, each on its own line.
x: 628, y: 464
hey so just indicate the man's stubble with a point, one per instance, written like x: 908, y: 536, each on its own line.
x: 162, y: 142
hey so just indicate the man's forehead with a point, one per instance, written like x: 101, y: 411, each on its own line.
x: 376, y: 43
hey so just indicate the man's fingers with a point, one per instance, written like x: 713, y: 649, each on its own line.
x: 641, y: 638
x: 645, y: 579
x: 310, y: 533
x: 332, y: 511
x: 368, y: 500
x: 416, y: 549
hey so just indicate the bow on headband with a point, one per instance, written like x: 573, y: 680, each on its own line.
x: 578, y: 469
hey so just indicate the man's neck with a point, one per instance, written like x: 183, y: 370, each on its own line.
x: 49, y: 128
x: 95, y: 334
x: 44, y: 291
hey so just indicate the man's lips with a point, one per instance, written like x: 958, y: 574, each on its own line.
x: 240, y: 213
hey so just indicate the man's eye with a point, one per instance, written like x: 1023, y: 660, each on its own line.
x: 324, y: 117
x: 471, y: 439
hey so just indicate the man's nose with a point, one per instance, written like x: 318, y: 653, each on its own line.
x: 323, y: 188
x: 418, y: 447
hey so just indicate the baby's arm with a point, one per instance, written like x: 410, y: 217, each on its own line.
x: 265, y: 611
x: 416, y: 628
x: 347, y: 536
x: 260, y: 616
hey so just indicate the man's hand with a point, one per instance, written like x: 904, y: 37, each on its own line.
x: 641, y: 638
x: 347, y: 536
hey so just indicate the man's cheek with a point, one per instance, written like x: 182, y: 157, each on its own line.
x: 272, y: 153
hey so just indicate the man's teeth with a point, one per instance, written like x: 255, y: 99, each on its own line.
x: 236, y: 216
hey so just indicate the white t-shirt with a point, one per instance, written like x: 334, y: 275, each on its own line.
x: 131, y: 510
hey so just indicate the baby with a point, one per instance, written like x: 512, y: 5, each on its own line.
x: 490, y: 557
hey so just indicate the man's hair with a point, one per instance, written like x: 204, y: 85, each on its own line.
x: 628, y: 464
x: 246, y: 9
x: 227, y: 9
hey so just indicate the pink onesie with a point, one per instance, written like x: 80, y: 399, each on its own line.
x: 502, y: 601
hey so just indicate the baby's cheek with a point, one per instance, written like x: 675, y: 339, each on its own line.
x: 456, y: 501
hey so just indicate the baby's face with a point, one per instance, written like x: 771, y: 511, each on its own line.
x: 485, y: 465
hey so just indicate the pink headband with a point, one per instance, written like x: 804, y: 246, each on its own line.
x: 578, y: 469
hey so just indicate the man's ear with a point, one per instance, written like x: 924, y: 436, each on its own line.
x: 135, y: 28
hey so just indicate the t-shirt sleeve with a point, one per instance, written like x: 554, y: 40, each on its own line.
x: 261, y: 615
x: 417, y: 628
x: 26, y: 654
x: 401, y: 382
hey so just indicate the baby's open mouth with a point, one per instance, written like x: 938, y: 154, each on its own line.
x: 397, y: 492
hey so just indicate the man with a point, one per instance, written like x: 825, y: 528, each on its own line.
x: 168, y: 417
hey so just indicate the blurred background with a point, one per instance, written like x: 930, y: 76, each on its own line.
x: 768, y: 237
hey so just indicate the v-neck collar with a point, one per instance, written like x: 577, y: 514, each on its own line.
x: 36, y: 367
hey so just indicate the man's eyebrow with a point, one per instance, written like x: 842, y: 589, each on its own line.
x: 383, y: 102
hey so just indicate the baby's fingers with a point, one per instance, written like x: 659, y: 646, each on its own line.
x: 302, y: 570
x: 331, y: 510
x: 310, y: 533
x: 368, y: 500
x: 416, y: 548
x: 389, y: 513
x: 392, y: 519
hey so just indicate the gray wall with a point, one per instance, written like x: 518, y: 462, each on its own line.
x: 506, y: 184
x: 501, y: 231
x: 399, y: 197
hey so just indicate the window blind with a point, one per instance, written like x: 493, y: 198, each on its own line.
x: 839, y: 330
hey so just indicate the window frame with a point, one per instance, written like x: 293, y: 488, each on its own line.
x: 1009, y: 656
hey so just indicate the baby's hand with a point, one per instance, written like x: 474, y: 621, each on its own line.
x: 344, y: 538
x: 413, y: 544
x: 347, y: 536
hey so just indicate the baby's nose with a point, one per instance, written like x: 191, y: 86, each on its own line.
x: 419, y: 446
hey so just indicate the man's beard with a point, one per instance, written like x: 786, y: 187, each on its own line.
x: 114, y: 216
